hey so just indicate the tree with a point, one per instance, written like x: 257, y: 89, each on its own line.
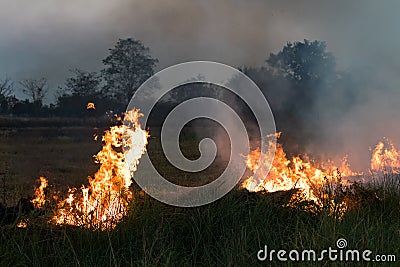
x: 128, y: 65
x: 309, y: 70
x: 36, y: 89
x: 308, y: 79
x: 80, y: 89
x: 304, y: 61
x: 6, y: 89
x: 83, y: 83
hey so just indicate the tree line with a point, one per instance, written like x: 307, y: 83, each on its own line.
x: 301, y: 83
x: 127, y: 65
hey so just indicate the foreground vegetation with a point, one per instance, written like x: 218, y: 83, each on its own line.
x: 228, y: 232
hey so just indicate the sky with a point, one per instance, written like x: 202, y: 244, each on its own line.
x: 48, y: 38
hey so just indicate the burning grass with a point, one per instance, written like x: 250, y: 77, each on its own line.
x: 105, y: 200
x: 227, y: 232
x: 315, y: 188
x: 323, y: 186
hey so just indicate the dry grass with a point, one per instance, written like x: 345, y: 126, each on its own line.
x: 228, y: 232
x: 63, y: 155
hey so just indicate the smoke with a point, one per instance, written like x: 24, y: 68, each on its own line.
x: 48, y: 38
x: 330, y: 121
x: 360, y: 128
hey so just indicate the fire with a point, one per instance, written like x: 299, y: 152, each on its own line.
x: 285, y: 174
x: 105, y: 200
x: 90, y: 105
x: 22, y: 224
x: 310, y: 178
x: 40, y: 197
x: 385, y: 158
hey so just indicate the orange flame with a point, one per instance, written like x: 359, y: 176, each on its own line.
x: 286, y: 174
x: 385, y: 158
x: 105, y: 201
x: 303, y: 174
x: 40, y: 197
x: 22, y: 224
x: 90, y: 105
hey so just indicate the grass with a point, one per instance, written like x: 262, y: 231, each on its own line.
x: 228, y: 232
x: 63, y: 155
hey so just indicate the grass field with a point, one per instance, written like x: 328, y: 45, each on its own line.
x: 228, y: 232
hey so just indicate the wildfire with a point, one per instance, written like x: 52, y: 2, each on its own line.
x: 40, y: 197
x: 285, y: 174
x: 310, y: 178
x: 385, y: 158
x: 104, y: 202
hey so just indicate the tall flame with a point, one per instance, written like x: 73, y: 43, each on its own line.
x: 385, y: 158
x: 40, y: 197
x: 105, y: 200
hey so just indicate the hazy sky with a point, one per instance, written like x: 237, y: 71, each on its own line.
x: 48, y: 37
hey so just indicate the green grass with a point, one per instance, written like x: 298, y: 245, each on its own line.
x: 228, y: 232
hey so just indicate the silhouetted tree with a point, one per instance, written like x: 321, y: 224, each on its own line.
x: 128, y: 65
x: 304, y: 61
x: 36, y: 89
x: 83, y: 83
x: 27, y: 108
x: 309, y: 70
x: 193, y: 89
x: 297, y: 81
x: 6, y: 86
x: 6, y: 100
x: 80, y: 89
